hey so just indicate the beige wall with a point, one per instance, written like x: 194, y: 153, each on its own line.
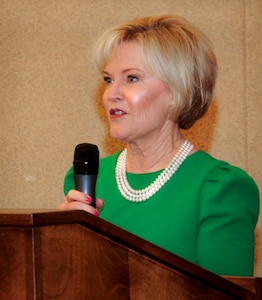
x: 48, y: 87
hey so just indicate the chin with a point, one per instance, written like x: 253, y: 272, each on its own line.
x: 118, y: 135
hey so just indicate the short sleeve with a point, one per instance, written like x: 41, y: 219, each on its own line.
x: 229, y: 208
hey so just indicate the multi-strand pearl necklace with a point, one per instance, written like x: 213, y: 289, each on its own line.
x: 141, y: 195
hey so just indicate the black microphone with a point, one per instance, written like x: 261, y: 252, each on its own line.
x: 86, y: 165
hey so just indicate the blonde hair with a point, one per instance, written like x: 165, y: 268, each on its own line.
x: 177, y: 52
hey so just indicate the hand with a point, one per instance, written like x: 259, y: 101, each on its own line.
x: 79, y: 200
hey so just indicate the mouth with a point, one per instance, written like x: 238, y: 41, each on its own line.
x: 116, y: 112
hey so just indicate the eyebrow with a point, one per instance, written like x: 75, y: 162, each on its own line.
x: 124, y: 71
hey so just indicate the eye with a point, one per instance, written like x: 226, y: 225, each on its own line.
x: 108, y: 80
x: 132, y: 78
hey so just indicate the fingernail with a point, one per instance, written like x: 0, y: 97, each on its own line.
x: 88, y: 199
x: 96, y: 213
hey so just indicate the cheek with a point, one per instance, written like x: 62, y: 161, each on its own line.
x: 145, y: 112
x: 153, y: 102
x: 142, y: 100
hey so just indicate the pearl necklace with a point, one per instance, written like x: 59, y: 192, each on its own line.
x: 141, y: 195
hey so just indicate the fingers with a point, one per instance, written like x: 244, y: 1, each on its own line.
x: 74, y: 195
x: 79, y: 200
x: 75, y: 205
x: 99, y: 203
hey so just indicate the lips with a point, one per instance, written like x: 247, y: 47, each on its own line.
x: 116, y: 112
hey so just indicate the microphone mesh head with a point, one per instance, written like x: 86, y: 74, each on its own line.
x: 86, y: 159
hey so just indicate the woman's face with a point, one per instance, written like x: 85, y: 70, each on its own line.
x: 136, y: 101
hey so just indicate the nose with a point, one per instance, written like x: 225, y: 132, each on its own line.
x: 113, y: 91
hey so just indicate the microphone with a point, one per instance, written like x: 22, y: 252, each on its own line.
x: 86, y: 165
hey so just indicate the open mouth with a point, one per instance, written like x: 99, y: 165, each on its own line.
x: 116, y: 112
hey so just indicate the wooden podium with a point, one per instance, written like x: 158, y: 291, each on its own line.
x: 74, y: 255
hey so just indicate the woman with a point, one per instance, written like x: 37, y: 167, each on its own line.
x: 159, y: 75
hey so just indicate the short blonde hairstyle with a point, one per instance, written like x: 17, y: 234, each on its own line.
x: 177, y: 52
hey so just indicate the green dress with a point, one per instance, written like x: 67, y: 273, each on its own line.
x: 206, y: 213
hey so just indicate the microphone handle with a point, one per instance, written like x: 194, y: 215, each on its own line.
x: 87, y: 185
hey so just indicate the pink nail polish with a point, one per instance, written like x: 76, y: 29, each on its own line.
x: 88, y: 199
x: 97, y: 213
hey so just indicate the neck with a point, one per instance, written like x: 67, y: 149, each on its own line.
x: 149, y: 157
